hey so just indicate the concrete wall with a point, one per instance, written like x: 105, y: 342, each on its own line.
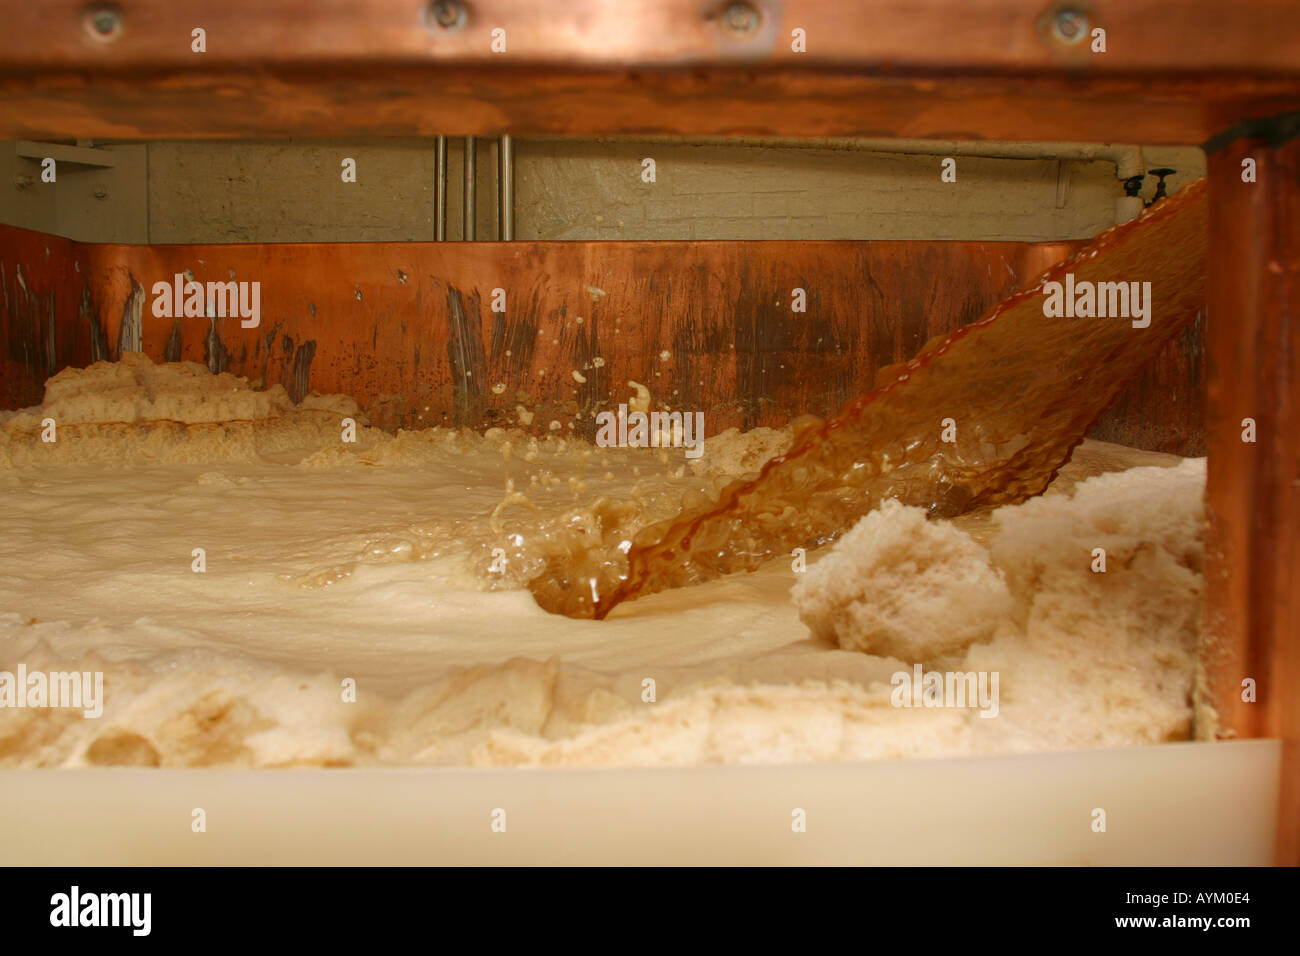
x: 290, y: 192
x: 92, y: 203
x: 190, y: 192
x: 594, y: 191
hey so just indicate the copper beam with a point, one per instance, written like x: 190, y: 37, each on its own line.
x: 1253, y: 563
x: 427, y: 101
x: 1174, y: 71
x: 1166, y: 36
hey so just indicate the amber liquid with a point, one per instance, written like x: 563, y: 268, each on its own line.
x: 1021, y: 390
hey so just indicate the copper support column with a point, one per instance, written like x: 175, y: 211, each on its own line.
x: 1253, y: 495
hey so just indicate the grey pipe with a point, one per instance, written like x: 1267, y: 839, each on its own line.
x: 471, y: 176
x: 506, y: 189
x: 440, y: 193
x: 1127, y: 158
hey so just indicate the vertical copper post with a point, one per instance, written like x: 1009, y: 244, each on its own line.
x: 1253, y: 495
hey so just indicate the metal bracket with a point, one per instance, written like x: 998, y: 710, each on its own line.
x: 62, y: 153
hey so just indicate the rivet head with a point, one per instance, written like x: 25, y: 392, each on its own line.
x: 103, y: 21
x: 1070, y: 25
x: 446, y: 15
x: 740, y: 17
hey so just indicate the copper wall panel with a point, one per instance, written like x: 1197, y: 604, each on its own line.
x: 46, y: 320
x: 405, y: 326
x: 408, y: 329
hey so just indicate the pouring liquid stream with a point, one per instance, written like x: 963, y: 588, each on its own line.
x: 1015, y: 392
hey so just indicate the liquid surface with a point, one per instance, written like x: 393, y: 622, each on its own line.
x: 371, y: 562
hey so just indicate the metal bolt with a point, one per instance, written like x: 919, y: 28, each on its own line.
x: 22, y: 181
x: 740, y: 17
x: 100, y: 191
x: 103, y: 21
x: 1070, y: 25
x: 447, y: 14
